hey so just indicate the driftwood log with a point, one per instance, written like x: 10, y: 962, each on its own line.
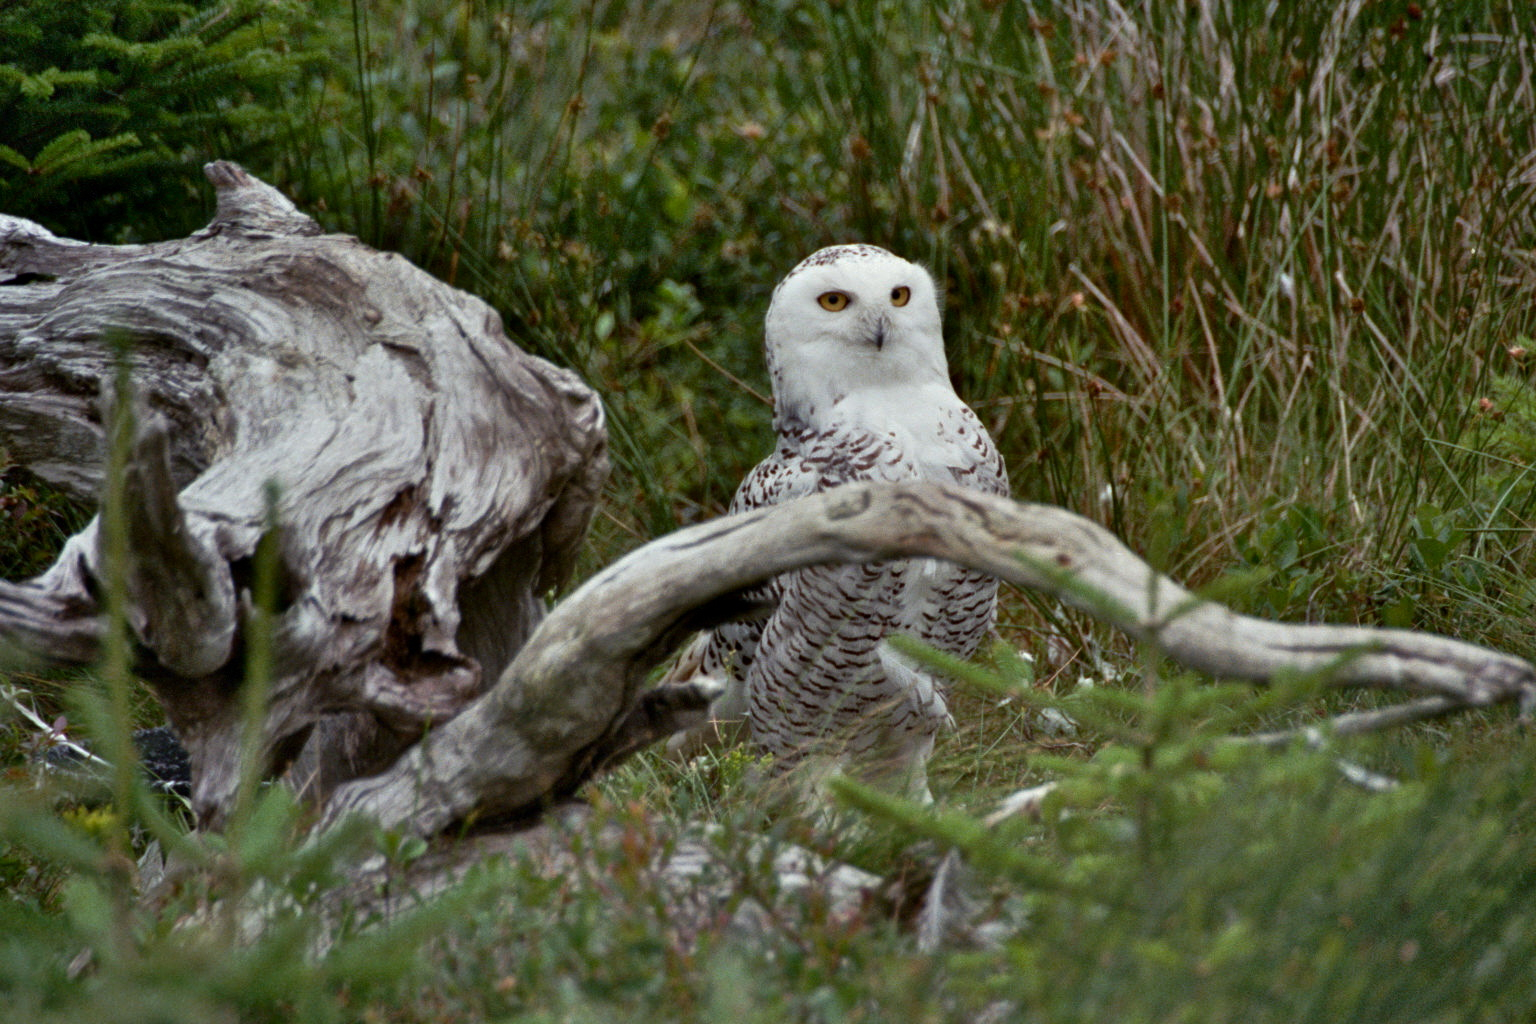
x: 434, y: 482
x: 501, y: 754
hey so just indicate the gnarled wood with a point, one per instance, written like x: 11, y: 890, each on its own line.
x: 526, y: 738
x: 420, y: 458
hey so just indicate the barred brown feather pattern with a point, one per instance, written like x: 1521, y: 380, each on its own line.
x: 814, y: 671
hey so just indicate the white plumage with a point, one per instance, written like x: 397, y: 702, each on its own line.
x: 861, y: 392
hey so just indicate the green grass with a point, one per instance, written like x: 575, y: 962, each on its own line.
x: 1289, y: 252
x: 1250, y: 286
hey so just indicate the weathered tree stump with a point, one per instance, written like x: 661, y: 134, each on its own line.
x: 433, y: 480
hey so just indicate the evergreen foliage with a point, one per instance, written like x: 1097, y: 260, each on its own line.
x: 1179, y: 874
x: 109, y: 108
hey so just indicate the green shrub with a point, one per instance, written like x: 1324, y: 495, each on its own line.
x: 1176, y: 875
x: 109, y: 108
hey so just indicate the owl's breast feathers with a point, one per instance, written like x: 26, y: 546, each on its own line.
x: 816, y: 662
x: 946, y: 444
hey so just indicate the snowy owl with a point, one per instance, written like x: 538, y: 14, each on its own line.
x: 861, y: 391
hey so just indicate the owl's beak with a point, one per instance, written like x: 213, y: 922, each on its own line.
x: 880, y: 335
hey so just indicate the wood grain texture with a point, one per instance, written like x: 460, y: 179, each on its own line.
x: 567, y: 692
x: 419, y: 456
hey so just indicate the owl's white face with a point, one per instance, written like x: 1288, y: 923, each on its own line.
x: 848, y: 320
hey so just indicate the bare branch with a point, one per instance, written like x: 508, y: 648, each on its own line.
x: 180, y: 592
x: 1357, y: 723
x: 586, y: 663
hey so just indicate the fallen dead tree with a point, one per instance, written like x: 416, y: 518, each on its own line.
x: 434, y: 482
x: 499, y: 756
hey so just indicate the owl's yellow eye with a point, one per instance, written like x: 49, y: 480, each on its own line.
x: 834, y: 301
x: 900, y: 295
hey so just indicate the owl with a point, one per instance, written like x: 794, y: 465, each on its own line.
x: 861, y: 391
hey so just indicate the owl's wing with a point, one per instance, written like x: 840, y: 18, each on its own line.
x: 787, y: 473
x: 803, y: 462
x: 728, y: 651
x: 971, y: 459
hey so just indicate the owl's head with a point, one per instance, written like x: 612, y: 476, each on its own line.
x: 848, y: 319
